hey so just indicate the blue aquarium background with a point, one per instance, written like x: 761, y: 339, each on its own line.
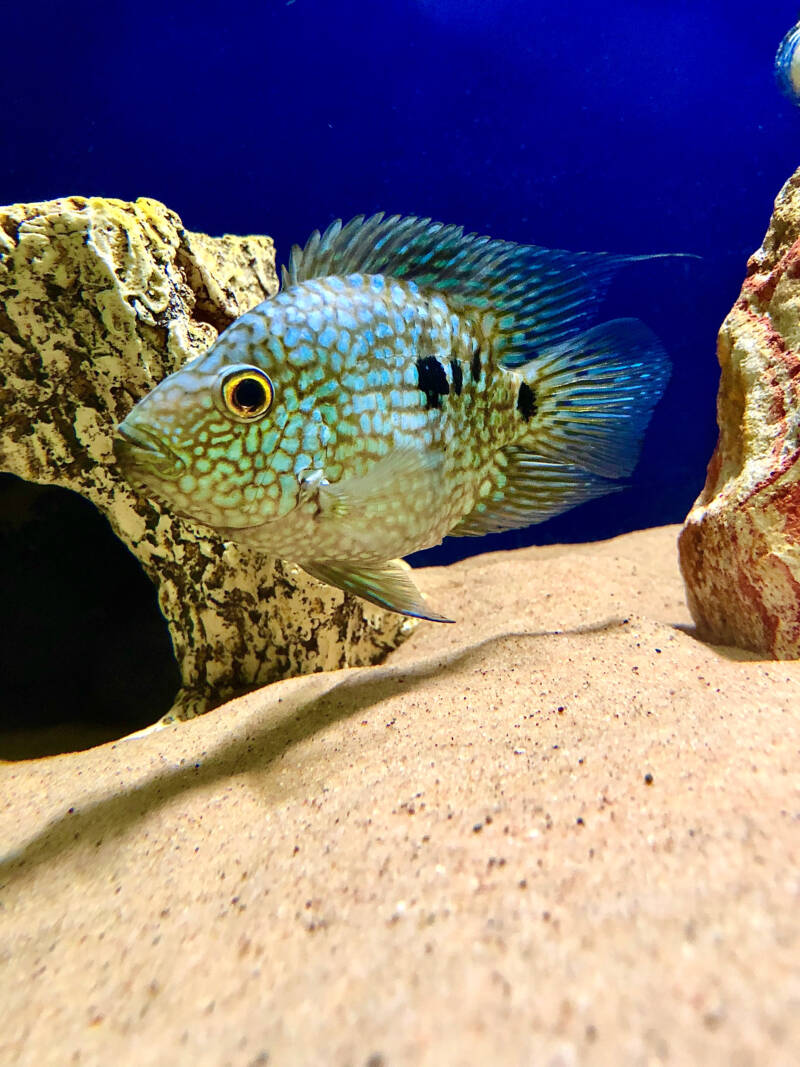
x: 625, y: 127
x: 638, y: 127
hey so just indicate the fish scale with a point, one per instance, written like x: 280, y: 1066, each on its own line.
x: 408, y: 382
x: 378, y: 405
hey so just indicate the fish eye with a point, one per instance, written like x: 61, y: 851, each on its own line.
x: 247, y: 393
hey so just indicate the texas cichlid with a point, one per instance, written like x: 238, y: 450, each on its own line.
x: 409, y: 382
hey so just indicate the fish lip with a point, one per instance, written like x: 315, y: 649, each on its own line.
x: 141, y: 439
x: 139, y: 447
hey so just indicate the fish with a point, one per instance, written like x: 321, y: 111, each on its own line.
x: 408, y: 382
x: 787, y: 65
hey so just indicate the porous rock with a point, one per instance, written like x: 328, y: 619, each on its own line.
x: 740, y: 545
x: 99, y: 300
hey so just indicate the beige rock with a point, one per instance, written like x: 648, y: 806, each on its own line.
x: 99, y: 300
x: 740, y: 547
x: 560, y: 832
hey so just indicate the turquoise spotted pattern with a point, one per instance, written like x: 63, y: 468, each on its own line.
x: 408, y: 382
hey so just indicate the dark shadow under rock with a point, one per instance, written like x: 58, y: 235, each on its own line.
x: 86, y: 655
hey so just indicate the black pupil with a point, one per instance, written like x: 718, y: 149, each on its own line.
x: 249, y: 394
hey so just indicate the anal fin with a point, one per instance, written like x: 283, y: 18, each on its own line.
x: 388, y: 585
x: 535, y: 489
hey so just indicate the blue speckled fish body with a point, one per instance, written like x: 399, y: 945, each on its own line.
x: 407, y: 383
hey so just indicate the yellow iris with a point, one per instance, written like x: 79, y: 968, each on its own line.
x: 247, y: 393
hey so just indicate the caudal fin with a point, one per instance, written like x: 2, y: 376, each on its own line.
x: 594, y: 395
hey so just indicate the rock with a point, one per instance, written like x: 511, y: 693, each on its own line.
x: 99, y: 300
x: 560, y: 832
x: 740, y: 546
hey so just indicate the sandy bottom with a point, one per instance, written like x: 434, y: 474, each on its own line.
x: 562, y: 831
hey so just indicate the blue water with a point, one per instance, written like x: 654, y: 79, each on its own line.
x: 628, y: 127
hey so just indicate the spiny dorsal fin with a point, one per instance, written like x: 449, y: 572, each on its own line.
x: 537, y: 296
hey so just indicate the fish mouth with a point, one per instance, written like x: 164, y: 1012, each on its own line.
x: 137, y: 449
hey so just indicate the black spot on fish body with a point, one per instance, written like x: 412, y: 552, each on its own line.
x: 432, y: 381
x: 526, y: 402
x: 475, y: 365
x: 457, y: 375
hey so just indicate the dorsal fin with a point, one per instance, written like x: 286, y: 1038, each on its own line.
x: 537, y: 296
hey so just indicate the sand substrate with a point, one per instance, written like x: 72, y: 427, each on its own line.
x: 562, y: 831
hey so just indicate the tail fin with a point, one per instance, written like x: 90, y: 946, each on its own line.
x: 594, y: 396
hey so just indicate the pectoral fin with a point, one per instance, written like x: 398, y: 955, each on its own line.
x: 404, y: 471
x: 388, y: 585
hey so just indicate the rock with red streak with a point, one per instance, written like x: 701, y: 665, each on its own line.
x: 740, y: 545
